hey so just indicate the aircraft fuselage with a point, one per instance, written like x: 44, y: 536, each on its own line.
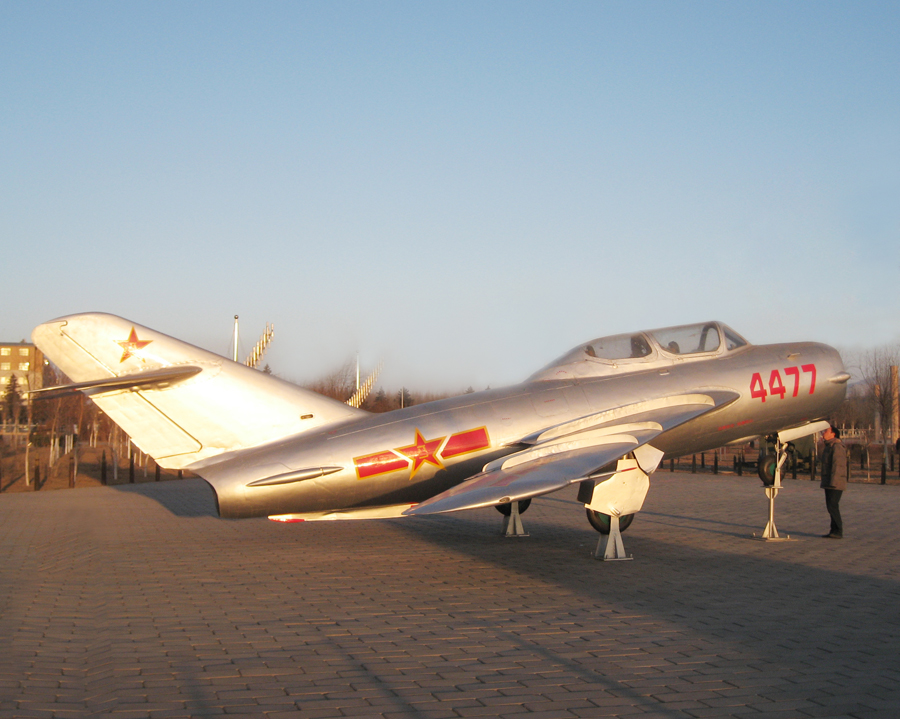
x: 409, y: 455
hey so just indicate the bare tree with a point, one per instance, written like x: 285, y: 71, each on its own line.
x: 876, y: 369
x: 339, y: 384
x: 58, y: 416
x: 856, y: 412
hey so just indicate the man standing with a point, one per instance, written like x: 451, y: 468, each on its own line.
x: 834, y: 479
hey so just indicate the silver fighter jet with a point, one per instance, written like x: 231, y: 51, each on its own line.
x: 603, y: 415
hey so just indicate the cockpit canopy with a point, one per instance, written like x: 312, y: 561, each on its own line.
x: 637, y: 351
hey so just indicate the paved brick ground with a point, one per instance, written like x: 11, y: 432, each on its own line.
x: 135, y: 601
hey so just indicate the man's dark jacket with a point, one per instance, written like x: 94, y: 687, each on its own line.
x: 834, y: 465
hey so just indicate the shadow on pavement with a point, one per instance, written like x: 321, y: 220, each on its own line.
x: 182, y: 497
x: 764, y: 609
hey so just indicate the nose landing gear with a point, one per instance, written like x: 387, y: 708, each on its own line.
x: 770, y: 474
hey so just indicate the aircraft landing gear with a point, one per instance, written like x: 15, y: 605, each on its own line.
x: 612, y: 503
x: 770, y: 474
x: 602, y: 522
x: 512, y: 521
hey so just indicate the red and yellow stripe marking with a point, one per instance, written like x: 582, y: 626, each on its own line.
x: 371, y: 465
x: 471, y: 440
x: 421, y: 452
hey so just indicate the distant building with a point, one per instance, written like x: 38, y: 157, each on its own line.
x: 23, y: 360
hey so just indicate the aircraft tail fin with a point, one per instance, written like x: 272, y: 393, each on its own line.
x: 179, y: 403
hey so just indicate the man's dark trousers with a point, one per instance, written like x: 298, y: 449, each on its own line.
x: 832, y: 503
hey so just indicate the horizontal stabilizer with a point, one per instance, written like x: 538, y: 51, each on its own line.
x: 154, y: 379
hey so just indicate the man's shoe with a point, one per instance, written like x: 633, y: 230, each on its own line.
x: 832, y: 536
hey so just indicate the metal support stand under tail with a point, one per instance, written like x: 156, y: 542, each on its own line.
x: 512, y: 525
x: 609, y: 546
x: 770, y: 533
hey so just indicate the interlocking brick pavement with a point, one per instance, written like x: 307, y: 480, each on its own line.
x: 136, y: 601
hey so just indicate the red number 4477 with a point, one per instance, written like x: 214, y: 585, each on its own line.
x: 776, y: 385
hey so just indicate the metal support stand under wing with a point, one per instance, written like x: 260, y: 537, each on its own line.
x: 611, y: 544
x: 512, y: 524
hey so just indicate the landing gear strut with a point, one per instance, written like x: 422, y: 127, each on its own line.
x: 770, y: 474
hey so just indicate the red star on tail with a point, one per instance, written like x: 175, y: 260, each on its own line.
x: 131, y: 345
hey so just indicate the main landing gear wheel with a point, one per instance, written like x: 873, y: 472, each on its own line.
x: 601, y: 522
x: 506, y: 509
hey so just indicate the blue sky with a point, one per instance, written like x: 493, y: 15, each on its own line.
x: 464, y: 189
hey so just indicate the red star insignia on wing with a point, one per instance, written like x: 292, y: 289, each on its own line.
x: 422, y: 452
x: 131, y: 345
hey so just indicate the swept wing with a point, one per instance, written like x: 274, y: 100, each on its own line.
x: 574, y: 451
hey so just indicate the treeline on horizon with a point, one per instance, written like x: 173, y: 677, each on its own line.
x: 341, y: 385
x: 60, y: 415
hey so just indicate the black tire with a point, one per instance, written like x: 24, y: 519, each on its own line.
x: 506, y: 509
x: 766, y: 470
x: 601, y: 522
